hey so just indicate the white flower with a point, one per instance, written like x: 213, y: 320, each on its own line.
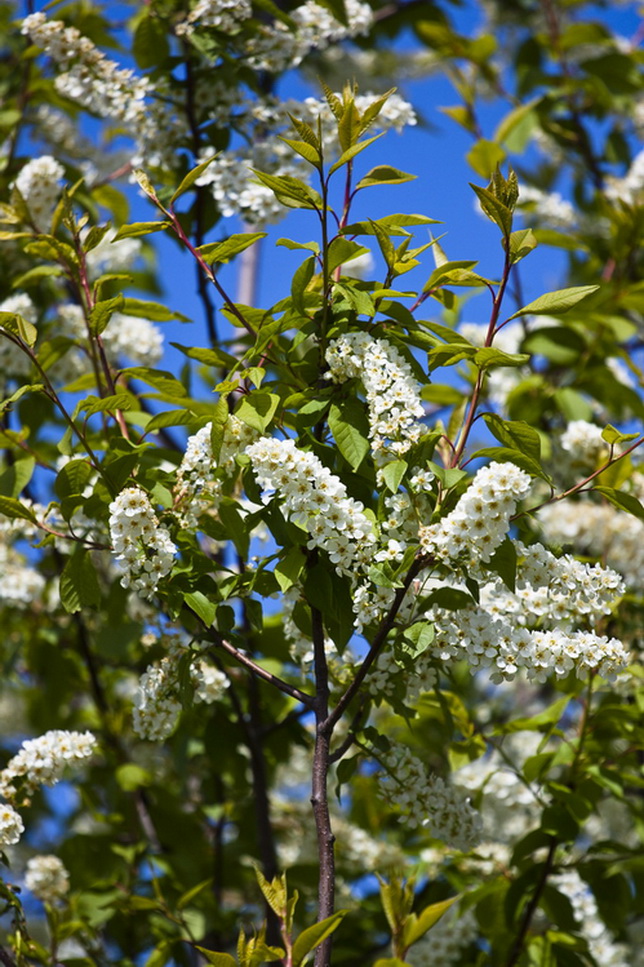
x: 47, y: 878
x: 11, y: 825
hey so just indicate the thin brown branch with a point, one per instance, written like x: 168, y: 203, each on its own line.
x: 267, y: 676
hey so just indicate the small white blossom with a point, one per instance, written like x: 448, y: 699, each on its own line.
x: 44, y: 760
x: 39, y: 184
x: 11, y: 825
x: 47, y: 878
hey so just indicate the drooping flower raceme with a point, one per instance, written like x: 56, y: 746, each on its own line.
x: 316, y: 499
x: 428, y: 801
x: 39, y: 184
x: 481, y: 519
x: 139, y: 542
x: 44, y: 760
x: 47, y: 878
x: 200, y: 476
x: 393, y: 394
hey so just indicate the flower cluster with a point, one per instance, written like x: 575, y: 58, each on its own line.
x: 317, y: 500
x: 446, y: 941
x: 224, y: 15
x: 139, y: 542
x: 156, y: 709
x: 504, y: 646
x: 278, y: 47
x: 88, y: 77
x: 39, y: 184
x: 11, y: 825
x: 156, y: 706
x: 130, y: 337
x: 428, y: 801
x: 200, y: 476
x: 601, y: 531
x: 584, y: 442
x: 391, y: 390
x: 586, y: 913
x: 47, y: 878
x: 43, y: 761
x: 481, y: 519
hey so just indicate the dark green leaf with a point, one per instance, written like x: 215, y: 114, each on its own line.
x: 349, y: 425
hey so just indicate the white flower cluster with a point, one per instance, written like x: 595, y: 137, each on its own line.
x: 89, y: 77
x: 427, y: 801
x: 550, y: 208
x: 504, y: 646
x: 210, y: 684
x: 445, y: 942
x: 43, y: 761
x: 156, y: 709
x: 481, y: 519
x: 224, y: 15
x: 386, y: 673
x: 591, y: 926
x: 392, y: 391
x: 317, y: 500
x: 562, y: 588
x: 278, y: 47
x: 629, y: 188
x: 11, y: 825
x: 584, y: 442
x: 47, y: 878
x: 235, y: 187
x: 600, y: 530
x: 130, y: 337
x: 200, y: 477
x: 156, y: 706
x: 20, y: 585
x: 39, y: 184
x: 139, y: 542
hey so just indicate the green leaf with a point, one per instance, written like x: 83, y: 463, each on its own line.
x: 161, y: 379
x: 257, y: 409
x: 495, y: 210
x: 417, y: 925
x: 73, y: 478
x: 131, y: 776
x: 227, y: 249
x: 515, y: 433
x: 342, y: 250
x: 489, y: 356
x: 392, y: 473
x: 559, y: 301
x: 417, y: 638
x: 288, y: 570
x: 384, y: 175
x: 79, y: 587
x: 202, y: 606
x: 155, y: 311
x: 150, y: 42
x: 522, y: 242
x: 351, y: 152
x: 102, y: 312
x: 626, y: 502
x: 293, y: 246
x: 107, y: 404
x: 307, y: 151
x: 219, y: 960
x: 504, y: 563
x: 14, y: 323
x: 16, y: 477
x: 190, y: 178
x: 613, y: 436
x: 313, y: 936
x: 510, y: 455
x: 303, y: 275
x: 136, y: 229
x: 484, y: 157
x: 393, y: 224
x: 562, y: 346
x: 349, y: 425
x: 12, y: 508
x: 291, y: 191
x: 391, y: 962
